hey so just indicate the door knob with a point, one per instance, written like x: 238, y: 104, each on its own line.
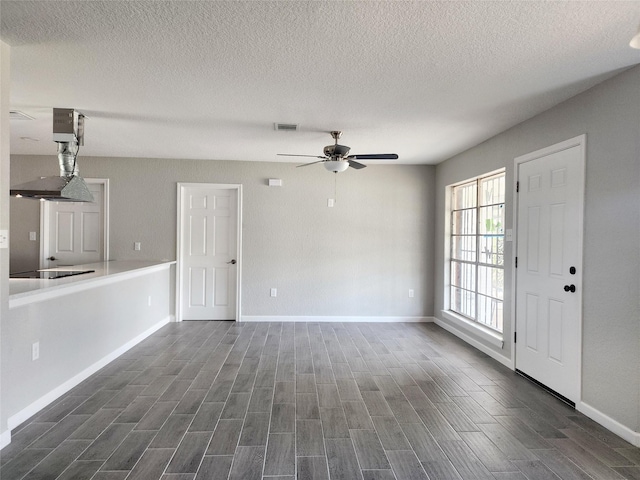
x: 232, y: 262
x: 570, y: 288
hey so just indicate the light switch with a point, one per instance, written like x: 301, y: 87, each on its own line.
x: 136, y: 246
x: 4, y: 238
x: 32, y: 236
x: 330, y: 202
x: 274, y: 292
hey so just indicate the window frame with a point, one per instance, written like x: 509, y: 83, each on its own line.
x: 472, y: 314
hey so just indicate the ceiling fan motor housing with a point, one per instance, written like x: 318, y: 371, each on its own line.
x: 336, y: 150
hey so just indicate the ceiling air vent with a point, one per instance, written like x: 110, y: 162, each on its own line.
x: 287, y: 127
x: 17, y: 115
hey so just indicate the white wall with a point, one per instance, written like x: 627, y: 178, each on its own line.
x: 359, y: 258
x: 77, y: 332
x: 4, y: 207
x: 610, y: 116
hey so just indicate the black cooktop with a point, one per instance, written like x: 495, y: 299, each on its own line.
x: 48, y: 274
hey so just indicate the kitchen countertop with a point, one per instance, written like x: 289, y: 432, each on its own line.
x: 26, y: 290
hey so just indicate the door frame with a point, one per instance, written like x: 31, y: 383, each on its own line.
x: 45, y: 227
x: 581, y: 142
x: 180, y: 223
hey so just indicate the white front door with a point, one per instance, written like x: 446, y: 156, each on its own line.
x: 208, y: 251
x: 73, y: 233
x: 549, y: 266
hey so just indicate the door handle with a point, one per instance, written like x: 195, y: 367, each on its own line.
x: 52, y: 258
x: 570, y: 288
x: 232, y: 262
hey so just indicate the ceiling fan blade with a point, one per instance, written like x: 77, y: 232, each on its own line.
x: 374, y: 156
x: 307, y: 164
x: 295, y: 155
x: 356, y: 165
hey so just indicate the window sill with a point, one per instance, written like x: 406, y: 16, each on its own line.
x: 490, y: 336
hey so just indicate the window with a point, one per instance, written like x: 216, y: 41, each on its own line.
x: 477, y: 250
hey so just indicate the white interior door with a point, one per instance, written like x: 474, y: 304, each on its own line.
x: 208, y: 252
x: 74, y: 233
x: 549, y: 267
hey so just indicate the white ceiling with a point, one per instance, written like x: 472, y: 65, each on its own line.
x: 207, y: 80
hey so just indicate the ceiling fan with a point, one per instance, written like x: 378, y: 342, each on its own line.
x: 336, y: 157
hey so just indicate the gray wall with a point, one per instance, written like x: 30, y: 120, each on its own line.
x: 610, y: 116
x: 359, y: 258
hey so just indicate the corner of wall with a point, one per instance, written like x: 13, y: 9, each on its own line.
x: 5, y: 434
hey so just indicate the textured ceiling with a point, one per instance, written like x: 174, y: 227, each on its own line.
x: 207, y: 80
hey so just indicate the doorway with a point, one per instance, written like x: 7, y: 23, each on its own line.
x: 209, y: 251
x: 549, y: 234
x: 74, y: 233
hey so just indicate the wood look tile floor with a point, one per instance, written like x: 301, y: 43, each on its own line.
x: 308, y: 401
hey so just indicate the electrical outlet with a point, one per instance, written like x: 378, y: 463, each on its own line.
x: 411, y: 293
x: 35, y: 351
x: 4, y: 238
x: 330, y: 202
x: 274, y: 292
x: 136, y: 246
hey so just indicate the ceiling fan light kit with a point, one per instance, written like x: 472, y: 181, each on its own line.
x: 336, y: 157
x: 635, y: 41
x: 336, y: 166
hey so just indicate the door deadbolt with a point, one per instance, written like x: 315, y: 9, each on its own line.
x: 572, y: 270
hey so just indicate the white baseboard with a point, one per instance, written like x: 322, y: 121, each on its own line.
x: 5, y: 438
x: 507, y: 362
x: 339, y: 319
x: 609, y: 423
x: 57, y: 392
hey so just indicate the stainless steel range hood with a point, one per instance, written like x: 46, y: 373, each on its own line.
x: 68, y: 133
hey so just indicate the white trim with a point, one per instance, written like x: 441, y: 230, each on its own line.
x: 609, y: 423
x: 581, y: 142
x: 45, y: 229
x: 239, y: 254
x: 338, y: 318
x: 57, y: 392
x: 105, y: 215
x: 179, y: 248
x: 5, y: 438
x: 458, y: 323
x: 486, y: 334
x: 507, y: 362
